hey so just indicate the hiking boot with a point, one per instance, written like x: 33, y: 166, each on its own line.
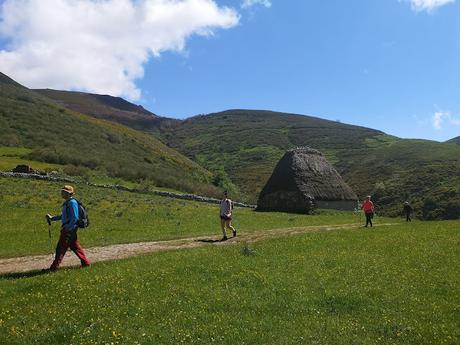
x: 224, y: 238
x: 234, y: 233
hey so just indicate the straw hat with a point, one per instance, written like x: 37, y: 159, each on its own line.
x: 67, y: 189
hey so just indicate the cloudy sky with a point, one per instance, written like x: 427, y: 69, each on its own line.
x: 392, y: 65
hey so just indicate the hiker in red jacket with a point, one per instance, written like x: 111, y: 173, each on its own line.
x: 368, y: 208
x: 69, y: 227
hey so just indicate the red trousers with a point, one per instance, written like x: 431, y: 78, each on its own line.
x: 68, y: 239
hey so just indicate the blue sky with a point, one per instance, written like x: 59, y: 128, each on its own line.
x: 392, y: 65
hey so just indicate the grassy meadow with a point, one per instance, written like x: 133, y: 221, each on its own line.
x: 124, y: 217
x: 389, y: 285
x: 10, y: 157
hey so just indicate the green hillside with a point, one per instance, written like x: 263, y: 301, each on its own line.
x: 246, y: 145
x: 109, y: 108
x: 243, y: 146
x: 83, y: 144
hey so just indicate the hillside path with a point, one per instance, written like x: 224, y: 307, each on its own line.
x: 121, y: 251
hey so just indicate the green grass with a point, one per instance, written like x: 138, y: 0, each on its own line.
x: 390, y: 285
x: 123, y: 217
x: 10, y: 157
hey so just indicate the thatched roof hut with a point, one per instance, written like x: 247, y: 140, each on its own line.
x: 304, y: 179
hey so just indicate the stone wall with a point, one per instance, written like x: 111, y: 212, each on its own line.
x: 191, y: 197
x: 342, y: 205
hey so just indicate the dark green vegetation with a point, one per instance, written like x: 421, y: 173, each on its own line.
x: 123, y: 217
x: 84, y: 144
x: 389, y: 285
x: 242, y: 147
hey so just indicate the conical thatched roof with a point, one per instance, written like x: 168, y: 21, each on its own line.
x: 303, y: 175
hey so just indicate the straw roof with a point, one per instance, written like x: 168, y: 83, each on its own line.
x: 303, y: 174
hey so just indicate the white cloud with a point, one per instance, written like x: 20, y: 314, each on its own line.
x: 441, y: 117
x: 250, y: 3
x: 427, y: 5
x: 99, y: 45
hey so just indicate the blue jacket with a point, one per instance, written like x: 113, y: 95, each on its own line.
x: 69, y: 216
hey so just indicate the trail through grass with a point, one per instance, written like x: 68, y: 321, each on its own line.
x: 123, y: 217
x: 122, y: 251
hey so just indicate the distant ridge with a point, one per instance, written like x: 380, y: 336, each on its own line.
x: 455, y: 140
x: 5, y: 80
x: 114, y: 109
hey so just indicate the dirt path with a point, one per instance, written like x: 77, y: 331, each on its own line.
x: 121, y: 251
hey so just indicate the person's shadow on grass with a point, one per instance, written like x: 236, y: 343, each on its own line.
x: 18, y: 275
x: 31, y: 274
x: 208, y: 240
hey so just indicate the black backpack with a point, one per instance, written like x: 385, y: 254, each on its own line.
x: 83, y: 220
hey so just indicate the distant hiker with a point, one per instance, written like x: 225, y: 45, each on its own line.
x: 226, y: 209
x: 408, y: 211
x: 368, y: 208
x: 68, y: 238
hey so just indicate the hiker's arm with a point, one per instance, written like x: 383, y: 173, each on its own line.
x: 230, y: 208
x: 55, y: 218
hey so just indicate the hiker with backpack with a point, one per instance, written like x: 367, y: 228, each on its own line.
x: 72, y: 217
x: 226, y: 210
x: 407, y: 209
x: 368, y: 208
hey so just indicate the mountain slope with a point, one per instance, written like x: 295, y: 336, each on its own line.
x: 246, y: 144
x: 455, y: 140
x: 243, y: 146
x: 58, y: 135
x: 114, y: 109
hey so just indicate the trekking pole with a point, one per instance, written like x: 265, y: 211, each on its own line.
x: 48, y: 220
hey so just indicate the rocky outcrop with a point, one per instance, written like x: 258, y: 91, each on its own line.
x: 302, y: 180
x: 27, y: 169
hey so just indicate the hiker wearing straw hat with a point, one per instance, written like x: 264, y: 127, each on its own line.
x: 68, y: 238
